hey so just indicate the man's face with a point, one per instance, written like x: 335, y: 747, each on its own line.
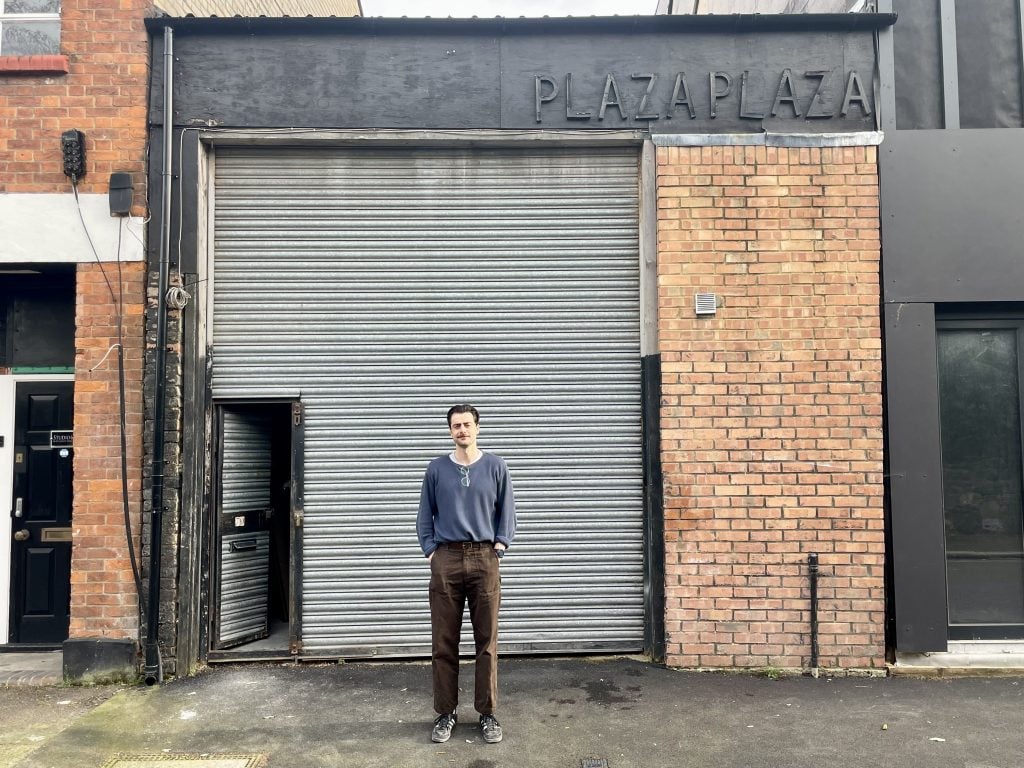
x: 464, y: 430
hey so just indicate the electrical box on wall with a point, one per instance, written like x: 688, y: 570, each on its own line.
x: 72, y: 148
x: 119, y: 194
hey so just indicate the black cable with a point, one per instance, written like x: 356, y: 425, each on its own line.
x: 118, y: 301
x: 123, y: 421
x: 92, y: 245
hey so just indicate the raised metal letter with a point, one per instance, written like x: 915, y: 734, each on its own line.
x: 743, y: 100
x: 789, y: 97
x: 680, y: 100
x: 640, y: 113
x: 713, y: 78
x: 816, y: 99
x: 571, y: 113
x: 609, y: 86
x: 538, y: 97
x: 855, y: 93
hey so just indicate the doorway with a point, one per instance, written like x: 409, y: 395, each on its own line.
x: 980, y: 407
x: 256, y: 530
x: 41, y: 510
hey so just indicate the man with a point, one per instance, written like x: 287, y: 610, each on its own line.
x: 466, y: 521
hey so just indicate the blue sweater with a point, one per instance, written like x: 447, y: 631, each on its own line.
x: 485, y: 510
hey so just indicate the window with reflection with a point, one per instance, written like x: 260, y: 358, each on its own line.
x: 979, y: 367
x: 29, y: 27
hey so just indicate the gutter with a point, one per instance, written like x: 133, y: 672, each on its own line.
x: 569, y: 25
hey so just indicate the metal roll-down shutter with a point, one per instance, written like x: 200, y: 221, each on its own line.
x: 384, y: 286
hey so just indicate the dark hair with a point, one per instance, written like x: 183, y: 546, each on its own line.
x: 463, y: 408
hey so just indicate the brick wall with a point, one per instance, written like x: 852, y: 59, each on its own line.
x: 772, y: 408
x: 98, y: 85
x: 103, y: 597
x: 103, y: 95
x: 170, y: 553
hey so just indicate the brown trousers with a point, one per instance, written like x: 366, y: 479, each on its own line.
x: 461, y: 573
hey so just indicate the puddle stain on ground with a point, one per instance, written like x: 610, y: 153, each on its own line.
x: 608, y: 693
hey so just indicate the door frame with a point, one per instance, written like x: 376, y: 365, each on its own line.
x: 980, y: 321
x: 8, y: 389
x: 296, y: 419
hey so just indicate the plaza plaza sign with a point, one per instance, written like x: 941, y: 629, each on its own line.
x: 651, y: 96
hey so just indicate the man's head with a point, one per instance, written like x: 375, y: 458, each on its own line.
x: 464, y: 424
x: 461, y: 409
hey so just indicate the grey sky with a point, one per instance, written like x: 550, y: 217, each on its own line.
x: 509, y: 8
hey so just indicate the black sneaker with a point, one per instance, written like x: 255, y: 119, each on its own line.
x: 491, y: 727
x: 443, y: 727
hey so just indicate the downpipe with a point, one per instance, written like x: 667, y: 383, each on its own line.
x: 153, y: 669
x: 812, y: 575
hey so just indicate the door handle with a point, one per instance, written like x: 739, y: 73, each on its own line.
x: 18, y: 502
x: 243, y: 546
x: 22, y: 535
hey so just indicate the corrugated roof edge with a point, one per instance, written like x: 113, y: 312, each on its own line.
x: 844, y: 22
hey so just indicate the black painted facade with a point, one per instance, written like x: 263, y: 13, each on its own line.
x: 347, y: 81
x: 951, y: 169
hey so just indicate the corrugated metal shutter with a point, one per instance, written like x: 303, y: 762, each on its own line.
x: 384, y: 285
x: 245, y: 577
x: 244, y: 556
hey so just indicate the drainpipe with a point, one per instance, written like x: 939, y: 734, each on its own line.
x: 812, y: 568
x: 153, y: 670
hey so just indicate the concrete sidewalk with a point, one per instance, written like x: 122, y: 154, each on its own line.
x: 556, y: 713
x: 39, y: 668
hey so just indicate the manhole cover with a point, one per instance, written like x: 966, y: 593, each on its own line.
x: 200, y: 761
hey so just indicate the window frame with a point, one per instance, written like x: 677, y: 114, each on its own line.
x: 6, y: 17
x: 1009, y: 318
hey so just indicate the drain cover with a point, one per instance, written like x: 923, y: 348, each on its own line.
x: 199, y: 761
x: 594, y: 762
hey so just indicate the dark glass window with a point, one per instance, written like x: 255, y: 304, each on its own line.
x: 983, y: 487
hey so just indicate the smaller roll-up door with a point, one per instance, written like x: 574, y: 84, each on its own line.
x: 386, y: 285
x: 245, y: 505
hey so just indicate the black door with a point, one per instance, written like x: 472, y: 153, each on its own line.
x: 41, y: 524
x: 981, y: 401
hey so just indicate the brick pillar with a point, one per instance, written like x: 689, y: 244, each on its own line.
x: 772, y: 408
x: 103, y: 598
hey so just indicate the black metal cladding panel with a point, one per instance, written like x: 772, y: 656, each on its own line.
x: 915, y: 470
x: 918, y: 60
x: 989, y: 64
x: 462, y: 80
x: 952, y: 222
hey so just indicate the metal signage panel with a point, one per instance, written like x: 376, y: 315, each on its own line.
x: 63, y: 438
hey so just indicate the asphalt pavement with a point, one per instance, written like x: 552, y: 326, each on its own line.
x: 556, y: 713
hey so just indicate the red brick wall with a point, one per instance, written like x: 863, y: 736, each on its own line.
x: 772, y: 408
x: 98, y: 86
x: 103, y: 95
x: 103, y: 597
